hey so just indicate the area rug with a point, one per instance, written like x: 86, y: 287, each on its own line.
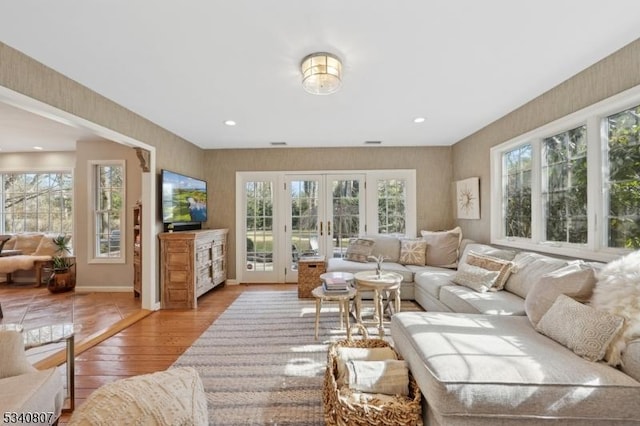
x: 260, y: 363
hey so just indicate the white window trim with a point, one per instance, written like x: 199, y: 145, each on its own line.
x: 593, y: 116
x: 92, y: 221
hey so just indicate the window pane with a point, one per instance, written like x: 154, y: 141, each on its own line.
x: 392, y: 201
x: 259, y: 216
x: 623, y: 181
x: 517, y: 192
x: 109, y: 204
x: 564, y: 186
x: 39, y: 202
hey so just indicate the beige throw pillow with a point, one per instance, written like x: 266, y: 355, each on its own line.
x: 13, y: 359
x: 28, y: 242
x: 413, y: 252
x: 474, y: 277
x: 586, y: 331
x: 359, y: 250
x: 443, y: 247
x: 491, y: 263
x: 575, y: 280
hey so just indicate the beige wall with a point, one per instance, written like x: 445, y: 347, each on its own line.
x: 24, y: 75
x: 432, y: 164
x: 92, y: 274
x: 45, y: 161
x: 608, y: 77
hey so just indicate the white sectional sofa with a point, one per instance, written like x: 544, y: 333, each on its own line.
x: 482, y: 358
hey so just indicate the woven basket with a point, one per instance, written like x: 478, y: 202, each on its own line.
x: 338, y: 410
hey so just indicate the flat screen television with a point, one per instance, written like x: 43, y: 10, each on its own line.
x: 184, y: 199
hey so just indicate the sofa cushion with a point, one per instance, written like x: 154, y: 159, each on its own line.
x: 41, y: 391
x: 631, y: 359
x: 413, y: 252
x: 387, y: 246
x: 576, y: 280
x: 443, y: 247
x: 475, y: 277
x: 584, y: 330
x: 431, y: 279
x: 463, y: 299
x: 527, y: 269
x: 499, y: 366
x: 359, y: 250
x: 504, y: 254
x: 13, y: 359
x: 172, y: 397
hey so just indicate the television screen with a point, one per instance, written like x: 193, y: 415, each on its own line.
x: 184, y: 199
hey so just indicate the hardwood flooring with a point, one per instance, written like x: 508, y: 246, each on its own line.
x: 151, y: 344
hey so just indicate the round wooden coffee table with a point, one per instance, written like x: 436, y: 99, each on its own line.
x: 386, y: 284
x: 343, y: 302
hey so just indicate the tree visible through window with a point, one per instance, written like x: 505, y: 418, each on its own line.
x: 517, y: 191
x: 623, y: 179
x: 37, y: 202
x: 109, y: 206
x: 564, y: 189
x: 392, y: 202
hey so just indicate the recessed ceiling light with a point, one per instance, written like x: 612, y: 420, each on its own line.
x: 229, y: 123
x: 419, y: 120
x: 38, y: 148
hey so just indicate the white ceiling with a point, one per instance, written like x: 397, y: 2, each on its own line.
x: 190, y: 65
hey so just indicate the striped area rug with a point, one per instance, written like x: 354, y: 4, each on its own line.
x: 260, y: 363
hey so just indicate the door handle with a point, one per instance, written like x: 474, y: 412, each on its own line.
x: 321, y: 229
x: 329, y: 228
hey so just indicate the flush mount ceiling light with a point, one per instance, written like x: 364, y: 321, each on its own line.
x: 321, y: 73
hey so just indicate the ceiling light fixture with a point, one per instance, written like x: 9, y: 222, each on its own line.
x: 38, y: 148
x: 229, y: 123
x: 321, y: 73
x: 419, y: 120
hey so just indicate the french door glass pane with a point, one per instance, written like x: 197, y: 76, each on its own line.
x: 304, y: 219
x: 259, y: 228
x: 346, y: 214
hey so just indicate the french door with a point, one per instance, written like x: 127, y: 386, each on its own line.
x: 325, y: 211
x: 282, y: 217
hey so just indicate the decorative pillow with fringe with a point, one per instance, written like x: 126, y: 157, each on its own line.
x: 617, y: 291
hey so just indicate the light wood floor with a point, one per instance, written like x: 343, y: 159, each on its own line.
x: 150, y: 344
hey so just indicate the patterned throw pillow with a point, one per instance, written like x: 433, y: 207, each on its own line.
x: 413, y: 252
x: 584, y: 330
x: 474, y: 277
x: 359, y: 250
x: 491, y: 263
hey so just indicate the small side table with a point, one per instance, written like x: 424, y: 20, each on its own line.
x: 343, y: 302
x: 388, y: 283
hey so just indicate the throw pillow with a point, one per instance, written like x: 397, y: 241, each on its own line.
x: 389, y: 377
x: 575, y: 280
x: 617, y: 291
x: 11, y: 243
x: 586, y: 331
x: 443, y: 247
x: 474, y: 277
x: 13, y: 359
x: 28, y: 242
x: 46, y: 247
x: 491, y: 263
x: 172, y: 397
x: 413, y: 252
x: 359, y: 250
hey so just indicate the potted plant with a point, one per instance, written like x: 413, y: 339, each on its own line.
x: 62, y: 276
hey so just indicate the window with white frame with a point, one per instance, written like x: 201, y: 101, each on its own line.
x: 572, y: 187
x: 37, y: 202
x: 109, y: 204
